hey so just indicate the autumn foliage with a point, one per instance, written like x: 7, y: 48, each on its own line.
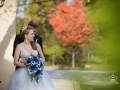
x: 69, y: 24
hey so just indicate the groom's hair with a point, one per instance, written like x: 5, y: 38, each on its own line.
x: 33, y: 23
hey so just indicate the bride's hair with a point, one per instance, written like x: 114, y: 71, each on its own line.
x: 25, y: 30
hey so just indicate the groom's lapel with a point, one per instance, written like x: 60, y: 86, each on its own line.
x: 35, y: 39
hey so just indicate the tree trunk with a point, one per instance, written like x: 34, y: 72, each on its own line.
x: 88, y: 57
x: 73, y: 59
x: 53, y: 61
x: 105, y: 60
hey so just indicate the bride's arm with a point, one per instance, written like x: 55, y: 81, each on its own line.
x: 40, y: 52
x: 16, y: 57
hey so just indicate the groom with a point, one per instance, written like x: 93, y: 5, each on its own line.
x: 19, y: 40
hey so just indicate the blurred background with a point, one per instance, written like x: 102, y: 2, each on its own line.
x: 78, y: 35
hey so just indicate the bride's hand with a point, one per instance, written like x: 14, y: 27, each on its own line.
x: 41, y: 58
x: 23, y: 60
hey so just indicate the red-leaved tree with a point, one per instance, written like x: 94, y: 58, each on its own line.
x: 70, y: 26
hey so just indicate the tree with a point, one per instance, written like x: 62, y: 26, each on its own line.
x: 70, y: 26
x: 54, y: 51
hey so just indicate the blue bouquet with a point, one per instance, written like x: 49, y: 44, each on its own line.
x: 35, y: 67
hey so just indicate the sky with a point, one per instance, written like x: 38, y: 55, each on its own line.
x: 22, y: 8
x: 68, y: 1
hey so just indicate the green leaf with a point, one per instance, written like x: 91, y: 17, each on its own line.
x: 31, y: 76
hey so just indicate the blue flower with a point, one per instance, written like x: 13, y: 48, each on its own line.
x: 35, y: 70
x: 29, y: 69
x: 37, y: 78
x: 38, y: 72
x: 37, y: 63
x: 33, y: 67
x: 33, y: 63
x: 35, y: 59
x: 39, y: 68
x: 41, y: 64
x: 28, y: 61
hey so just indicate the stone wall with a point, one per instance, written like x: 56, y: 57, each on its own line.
x: 7, y: 34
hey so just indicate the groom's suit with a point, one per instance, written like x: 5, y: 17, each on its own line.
x: 19, y: 40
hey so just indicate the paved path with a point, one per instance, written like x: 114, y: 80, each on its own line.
x: 61, y: 84
x: 85, y: 77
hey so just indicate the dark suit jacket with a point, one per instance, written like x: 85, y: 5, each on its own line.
x: 19, y: 40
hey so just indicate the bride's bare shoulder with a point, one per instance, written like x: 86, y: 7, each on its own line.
x: 19, y: 45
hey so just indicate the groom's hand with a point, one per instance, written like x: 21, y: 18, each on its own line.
x: 23, y: 60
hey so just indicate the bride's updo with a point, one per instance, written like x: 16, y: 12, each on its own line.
x: 25, y: 30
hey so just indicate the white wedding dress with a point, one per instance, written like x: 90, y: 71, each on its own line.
x: 20, y: 79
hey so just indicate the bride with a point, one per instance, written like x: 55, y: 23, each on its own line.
x: 20, y: 79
